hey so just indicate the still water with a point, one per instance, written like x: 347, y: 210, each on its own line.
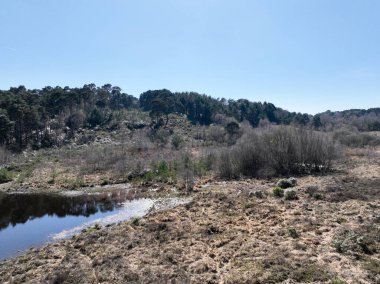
x: 28, y: 220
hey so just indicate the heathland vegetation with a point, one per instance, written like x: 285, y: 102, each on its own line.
x: 249, y: 221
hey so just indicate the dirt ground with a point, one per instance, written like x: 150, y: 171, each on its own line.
x: 232, y: 232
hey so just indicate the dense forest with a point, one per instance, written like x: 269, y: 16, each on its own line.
x: 35, y: 117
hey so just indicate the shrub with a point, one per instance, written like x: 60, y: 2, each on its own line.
x: 285, y: 183
x: 226, y: 166
x: 278, y: 191
x: 352, y: 242
x: 216, y: 134
x: 278, y: 151
x: 5, y: 175
x: 186, y: 171
x: 311, y: 190
x: 159, y: 136
x: 256, y: 193
x: 163, y: 172
x: 317, y: 196
x: 177, y: 142
x: 353, y: 138
x: 135, y: 221
x: 293, y: 233
x: 290, y: 194
x: 232, y: 128
x: 95, y: 118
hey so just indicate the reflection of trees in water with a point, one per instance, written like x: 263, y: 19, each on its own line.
x: 19, y: 208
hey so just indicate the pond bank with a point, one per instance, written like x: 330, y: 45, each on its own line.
x: 31, y: 219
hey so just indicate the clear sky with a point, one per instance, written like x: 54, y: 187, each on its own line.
x: 301, y: 55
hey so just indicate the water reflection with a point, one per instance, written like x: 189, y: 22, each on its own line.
x: 19, y: 208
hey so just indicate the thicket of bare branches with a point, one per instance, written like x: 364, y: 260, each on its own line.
x: 278, y: 151
x: 354, y: 138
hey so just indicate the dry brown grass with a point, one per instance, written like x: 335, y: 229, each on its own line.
x: 226, y: 236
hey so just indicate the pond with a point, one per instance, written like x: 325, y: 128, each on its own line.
x: 28, y: 220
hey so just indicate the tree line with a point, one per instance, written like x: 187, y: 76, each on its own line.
x: 32, y: 116
x: 204, y: 109
x: 38, y: 117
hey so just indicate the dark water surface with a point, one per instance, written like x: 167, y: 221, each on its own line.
x: 28, y: 220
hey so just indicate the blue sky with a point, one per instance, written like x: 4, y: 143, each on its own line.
x: 302, y: 55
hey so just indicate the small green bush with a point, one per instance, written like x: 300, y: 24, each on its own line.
x: 5, y: 175
x: 317, y: 196
x: 135, y: 221
x: 76, y: 183
x: 290, y: 194
x: 163, y: 172
x: 293, y: 233
x: 286, y: 183
x: 351, y: 242
x: 278, y: 191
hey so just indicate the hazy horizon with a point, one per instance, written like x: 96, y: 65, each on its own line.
x: 306, y: 57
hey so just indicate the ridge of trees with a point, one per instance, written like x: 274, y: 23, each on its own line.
x: 37, y: 117
x: 361, y: 119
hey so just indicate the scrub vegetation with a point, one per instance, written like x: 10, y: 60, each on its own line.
x: 277, y: 197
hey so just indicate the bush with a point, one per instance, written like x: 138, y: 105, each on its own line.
x: 278, y: 151
x: 352, y: 242
x: 353, y: 138
x: 95, y: 118
x: 256, y: 193
x: 226, y: 166
x: 135, y: 221
x: 290, y: 194
x: 177, y: 142
x: 293, y: 233
x: 278, y: 191
x: 313, y: 191
x: 286, y: 183
x: 318, y: 196
x: 5, y: 175
x: 159, y: 136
